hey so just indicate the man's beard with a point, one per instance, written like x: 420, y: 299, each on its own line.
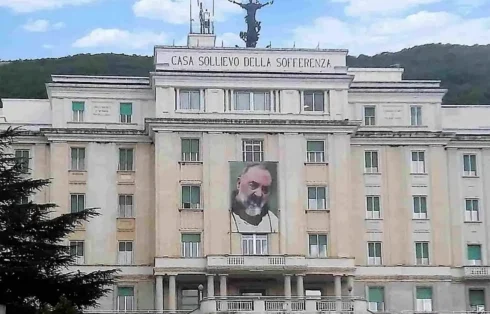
x: 253, y: 205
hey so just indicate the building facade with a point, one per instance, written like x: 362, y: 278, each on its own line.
x: 236, y: 173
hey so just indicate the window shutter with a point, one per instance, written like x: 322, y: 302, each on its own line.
x: 477, y: 297
x: 466, y: 161
x: 78, y: 106
x: 73, y: 204
x: 195, y: 146
x: 414, y: 156
x: 322, y: 239
x: 474, y: 252
x: 321, y: 193
x: 129, y: 157
x: 191, y: 238
x: 423, y: 203
x: 125, y: 291
x: 367, y: 159
x: 376, y: 204
x: 375, y: 159
x: 126, y: 109
x: 81, y: 202
x: 186, y: 146
x: 313, y: 239
x: 369, y: 203
x: 196, y: 195
x: 472, y: 162
x: 376, y: 294
x: 418, y: 250
x: 315, y: 146
x: 371, y: 249
x: 186, y: 194
x: 311, y: 193
x: 424, y: 293
x: 425, y: 250
x: 122, y: 158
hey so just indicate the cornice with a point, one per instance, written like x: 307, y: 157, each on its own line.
x: 249, y: 125
x: 401, y: 138
x: 281, y: 81
x: 95, y: 135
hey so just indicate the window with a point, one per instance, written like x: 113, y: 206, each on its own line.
x: 78, y: 107
x: 125, y: 206
x: 126, y: 112
x: 191, y: 196
x: 477, y: 300
x: 78, y: 158
x: 253, y: 150
x: 472, y: 212
x: 418, y: 162
x: 374, y: 253
x: 420, y: 207
x: 314, y: 101
x: 371, y: 162
x: 254, y: 244
x: 23, y: 200
x: 422, y: 253
x: 369, y: 115
x: 190, y: 149
x: 125, y: 159
x: 125, y: 298
x: 77, y: 202
x: 315, y: 151
x: 191, y: 245
x: 372, y: 207
x: 256, y: 101
x: 317, y: 245
x: 190, y: 99
x: 416, y: 115
x: 474, y: 254
x: 424, y: 299
x: 125, y: 256
x: 317, y: 197
x: 376, y: 299
x: 469, y: 165
x: 76, y: 250
x: 22, y: 157
x: 189, y: 300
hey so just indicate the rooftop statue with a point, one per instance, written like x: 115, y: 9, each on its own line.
x: 251, y: 36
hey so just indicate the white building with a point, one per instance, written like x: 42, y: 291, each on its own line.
x: 373, y: 188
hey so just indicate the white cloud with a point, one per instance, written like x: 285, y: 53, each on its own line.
x: 370, y: 7
x: 118, y: 39
x: 26, y: 6
x: 177, y: 11
x: 39, y: 26
x: 48, y: 46
x: 393, y: 34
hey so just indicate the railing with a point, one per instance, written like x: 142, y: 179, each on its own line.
x: 267, y: 262
x: 282, y: 304
x: 476, y: 271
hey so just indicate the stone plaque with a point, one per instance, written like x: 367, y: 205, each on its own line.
x: 393, y: 113
x: 102, y: 110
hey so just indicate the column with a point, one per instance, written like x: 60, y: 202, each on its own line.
x: 177, y: 99
x: 159, y: 293
x: 271, y: 101
x: 202, y: 100
x: 226, y: 99
x: 287, y: 286
x: 302, y: 101
x: 172, y: 301
x: 350, y: 285
x: 232, y: 100
x: 338, y: 292
x: 300, y: 291
x: 210, y: 286
x: 223, y: 290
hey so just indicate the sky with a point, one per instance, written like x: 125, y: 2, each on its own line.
x: 31, y: 29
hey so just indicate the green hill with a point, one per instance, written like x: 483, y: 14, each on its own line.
x: 464, y: 70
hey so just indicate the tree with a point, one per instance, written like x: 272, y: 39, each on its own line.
x: 33, y: 258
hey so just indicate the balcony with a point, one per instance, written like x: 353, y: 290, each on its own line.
x: 282, y: 305
x: 477, y: 272
x: 258, y: 263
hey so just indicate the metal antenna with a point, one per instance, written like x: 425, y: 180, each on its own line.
x: 190, y: 16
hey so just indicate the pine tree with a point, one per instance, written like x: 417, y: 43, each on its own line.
x: 33, y: 258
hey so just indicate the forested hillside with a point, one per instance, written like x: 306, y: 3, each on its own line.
x: 464, y: 70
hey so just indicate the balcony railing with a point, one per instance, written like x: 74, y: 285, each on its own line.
x: 282, y: 304
x: 477, y: 272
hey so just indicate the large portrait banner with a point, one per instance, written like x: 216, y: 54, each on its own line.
x: 254, y: 197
